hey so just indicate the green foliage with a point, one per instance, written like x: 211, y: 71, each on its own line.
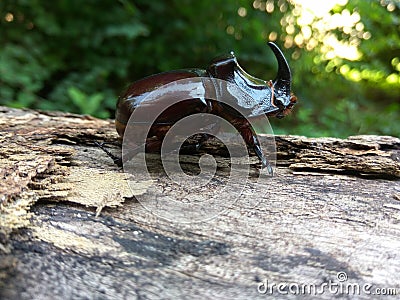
x: 86, y: 104
x: 48, y: 48
x: 79, y: 55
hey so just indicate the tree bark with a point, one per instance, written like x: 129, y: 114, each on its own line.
x: 72, y: 226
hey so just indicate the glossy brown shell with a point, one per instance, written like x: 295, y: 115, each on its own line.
x: 138, y: 90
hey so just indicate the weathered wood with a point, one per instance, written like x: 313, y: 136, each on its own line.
x: 71, y: 228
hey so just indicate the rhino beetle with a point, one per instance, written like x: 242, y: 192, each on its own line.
x: 273, y: 98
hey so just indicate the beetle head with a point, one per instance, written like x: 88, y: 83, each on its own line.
x: 255, y: 95
x: 281, y: 85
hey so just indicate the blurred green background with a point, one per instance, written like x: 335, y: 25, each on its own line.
x: 77, y: 56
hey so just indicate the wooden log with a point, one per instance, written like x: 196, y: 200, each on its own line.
x: 72, y: 226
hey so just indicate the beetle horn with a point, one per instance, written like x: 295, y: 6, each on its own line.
x: 283, y: 66
x: 282, y: 82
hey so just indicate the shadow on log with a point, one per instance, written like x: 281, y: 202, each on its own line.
x: 71, y: 225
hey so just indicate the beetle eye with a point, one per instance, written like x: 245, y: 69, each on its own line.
x: 278, y: 103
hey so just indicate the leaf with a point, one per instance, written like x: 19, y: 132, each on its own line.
x: 77, y: 97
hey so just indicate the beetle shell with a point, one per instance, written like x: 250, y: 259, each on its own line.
x: 138, y: 91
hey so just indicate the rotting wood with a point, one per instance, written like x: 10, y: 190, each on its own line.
x: 333, y: 206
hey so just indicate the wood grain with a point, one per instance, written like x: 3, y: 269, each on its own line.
x: 72, y: 228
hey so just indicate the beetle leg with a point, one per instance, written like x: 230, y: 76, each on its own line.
x: 117, y: 160
x: 264, y: 161
x: 190, y: 148
x: 153, y: 145
x: 213, y: 129
x: 203, y: 138
x: 252, y: 141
